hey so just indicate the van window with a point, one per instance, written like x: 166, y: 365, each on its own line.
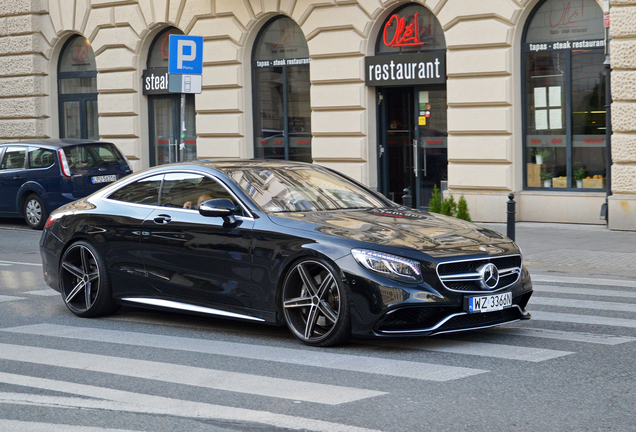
x: 41, y: 158
x: 13, y: 158
x: 93, y: 156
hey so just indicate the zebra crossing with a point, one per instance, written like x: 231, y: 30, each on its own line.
x: 554, y: 304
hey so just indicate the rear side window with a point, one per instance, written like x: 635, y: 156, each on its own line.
x: 13, y: 158
x: 144, y: 191
x: 41, y: 158
x: 93, y: 156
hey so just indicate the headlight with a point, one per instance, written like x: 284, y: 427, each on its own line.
x: 389, y: 265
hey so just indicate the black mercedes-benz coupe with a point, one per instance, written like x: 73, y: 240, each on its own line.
x: 280, y: 243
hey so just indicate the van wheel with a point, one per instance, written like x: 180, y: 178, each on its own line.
x: 35, y: 213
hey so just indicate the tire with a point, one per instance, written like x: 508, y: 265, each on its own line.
x: 315, y: 303
x: 35, y: 213
x: 84, y: 282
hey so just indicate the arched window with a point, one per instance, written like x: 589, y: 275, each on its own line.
x: 164, y: 108
x: 77, y: 90
x: 282, y: 109
x: 564, y: 96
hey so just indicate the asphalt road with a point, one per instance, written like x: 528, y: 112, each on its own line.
x: 570, y: 368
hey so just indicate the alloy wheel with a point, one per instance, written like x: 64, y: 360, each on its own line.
x: 80, y: 278
x: 313, y: 302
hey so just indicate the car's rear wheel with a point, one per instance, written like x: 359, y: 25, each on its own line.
x: 316, y: 303
x: 35, y: 213
x: 84, y: 281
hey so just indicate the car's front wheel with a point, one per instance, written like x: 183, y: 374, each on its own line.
x: 35, y: 213
x: 315, y: 303
x: 84, y: 281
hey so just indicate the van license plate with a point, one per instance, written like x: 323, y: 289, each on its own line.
x: 104, y: 179
x: 489, y: 303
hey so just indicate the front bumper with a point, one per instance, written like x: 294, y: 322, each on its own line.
x: 386, y: 308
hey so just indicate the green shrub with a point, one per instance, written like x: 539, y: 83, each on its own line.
x: 435, y: 203
x: 462, y: 210
x: 449, y: 206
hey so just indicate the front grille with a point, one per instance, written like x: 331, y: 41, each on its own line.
x: 464, y: 276
x: 414, y: 318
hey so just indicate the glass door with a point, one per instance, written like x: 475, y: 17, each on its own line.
x: 432, y: 137
x: 396, y: 150
x: 165, y: 131
x: 413, y: 145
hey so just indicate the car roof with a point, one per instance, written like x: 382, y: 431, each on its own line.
x: 253, y: 163
x: 54, y: 142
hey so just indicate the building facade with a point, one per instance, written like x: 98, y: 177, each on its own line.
x: 492, y: 96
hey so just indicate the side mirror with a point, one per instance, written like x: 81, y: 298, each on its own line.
x: 219, y: 207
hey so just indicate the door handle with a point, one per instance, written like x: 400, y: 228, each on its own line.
x: 162, y: 219
x: 17, y: 178
x: 415, y: 158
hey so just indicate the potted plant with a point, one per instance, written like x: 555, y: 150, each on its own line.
x: 546, y: 178
x: 539, y: 155
x: 579, y: 175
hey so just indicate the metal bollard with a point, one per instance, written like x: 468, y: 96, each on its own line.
x: 510, y: 225
x: 407, y: 198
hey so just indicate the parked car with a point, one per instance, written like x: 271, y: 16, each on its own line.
x: 280, y: 243
x: 38, y: 176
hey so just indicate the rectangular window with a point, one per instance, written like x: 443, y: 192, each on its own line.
x: 564, y: 101
x: 588, y: 119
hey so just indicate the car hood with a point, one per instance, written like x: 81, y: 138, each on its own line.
x: 401, y: 227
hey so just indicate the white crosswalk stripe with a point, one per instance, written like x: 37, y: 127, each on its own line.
x: 542, y: 279
x: 6, y: 298
x: 188, y: 375
x: 581, y: 291
x: 585, y: 304
x: 43, y: 292
x: 494, y: 350
x: 23, y: 426
x: 572, y: 336
x: 583, y: 319
x: 118, y: 400
x: 352, y: 363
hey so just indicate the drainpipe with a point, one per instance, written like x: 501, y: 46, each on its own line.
x: 608, y: 117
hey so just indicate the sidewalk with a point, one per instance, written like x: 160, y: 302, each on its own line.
x: 575, y: 250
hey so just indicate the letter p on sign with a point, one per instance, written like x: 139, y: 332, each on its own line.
x: 186, y: 55
x: 182, y: 56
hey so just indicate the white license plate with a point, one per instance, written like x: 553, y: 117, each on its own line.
x: 489, y: 303
x: 104, y: 179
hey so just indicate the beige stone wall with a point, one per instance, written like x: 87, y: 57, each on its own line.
x: 484, y: 90
x: 622, y: 205
x: 25, y: 45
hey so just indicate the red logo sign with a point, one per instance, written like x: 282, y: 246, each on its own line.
x: 79, y: 53
x: 404, y: 34
x: 569, y: 16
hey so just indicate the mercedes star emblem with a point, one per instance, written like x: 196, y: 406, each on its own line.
x: 489, y: 276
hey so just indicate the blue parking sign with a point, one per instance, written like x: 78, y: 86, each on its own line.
x: 186, y: 55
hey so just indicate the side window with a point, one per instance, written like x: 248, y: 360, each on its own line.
x: 144, y: 191
x: 186, y: 190
x: 13, y: 158
x: 41, y: 158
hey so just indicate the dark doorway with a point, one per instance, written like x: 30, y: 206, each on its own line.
x: 413, y: 142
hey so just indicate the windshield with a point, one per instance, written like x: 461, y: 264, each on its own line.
x: 298, y: 189
x: 93, y: 156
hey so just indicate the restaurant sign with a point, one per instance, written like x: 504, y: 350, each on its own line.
x: 428, y: 67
